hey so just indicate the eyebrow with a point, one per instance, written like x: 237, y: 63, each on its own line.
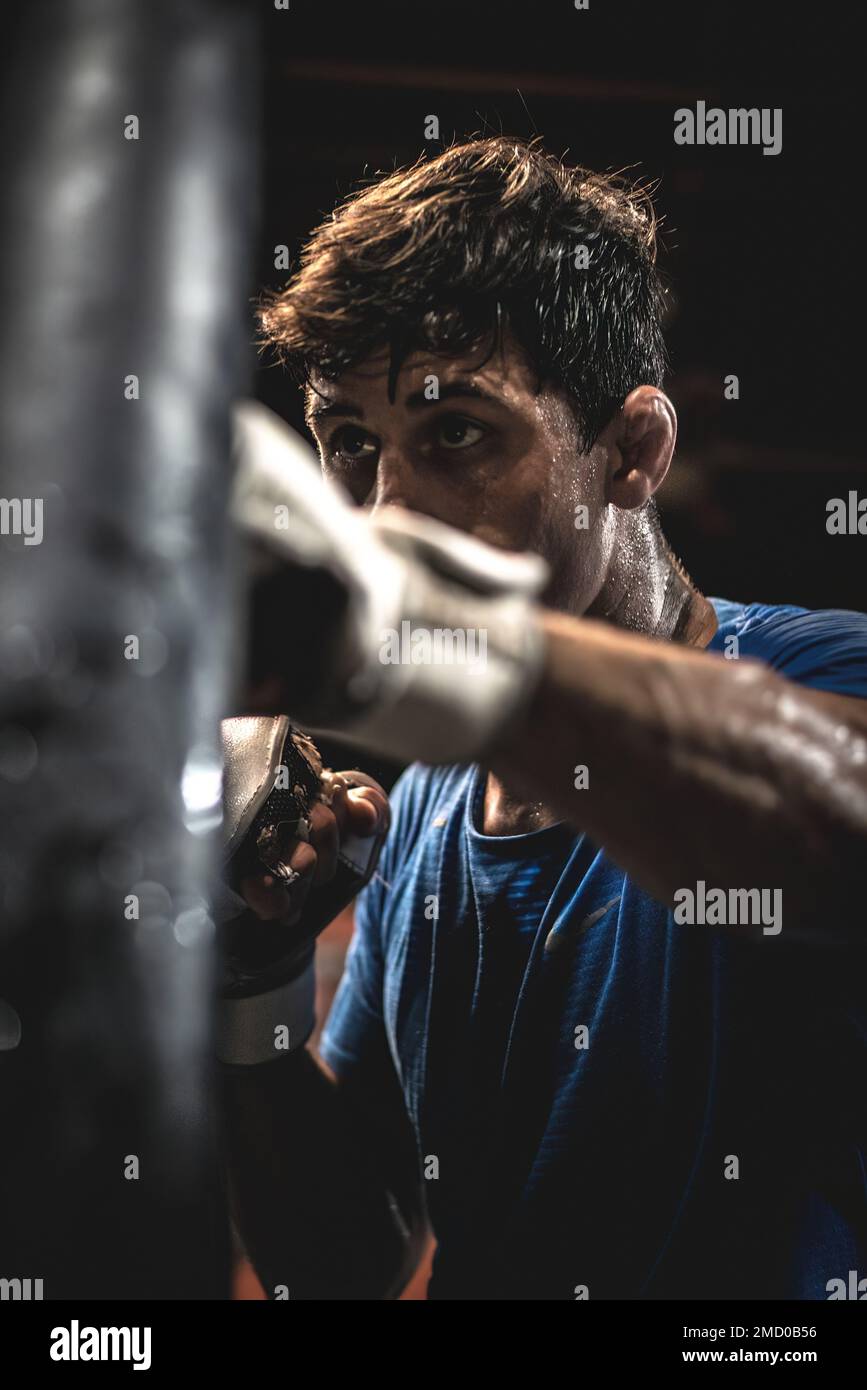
x: 450, y: 391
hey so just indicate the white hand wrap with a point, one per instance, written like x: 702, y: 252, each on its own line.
x: 454, y: 649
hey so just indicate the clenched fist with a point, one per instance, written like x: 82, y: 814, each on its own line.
x: 299, y: 842
x: 350, y: 806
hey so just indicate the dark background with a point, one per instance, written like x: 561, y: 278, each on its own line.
x: 763, y: 253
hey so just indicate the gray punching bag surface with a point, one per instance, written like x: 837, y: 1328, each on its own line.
x: 130, y: 186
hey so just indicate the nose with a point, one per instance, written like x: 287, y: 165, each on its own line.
x: 397, y: 483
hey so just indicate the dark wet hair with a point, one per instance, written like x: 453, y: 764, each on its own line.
x: 484, y: 238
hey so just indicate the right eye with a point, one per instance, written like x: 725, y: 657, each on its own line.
x: 351, y: 444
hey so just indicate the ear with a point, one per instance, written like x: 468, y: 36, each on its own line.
x: 640, y: 448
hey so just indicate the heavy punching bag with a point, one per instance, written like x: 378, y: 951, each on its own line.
x: 129, y: 131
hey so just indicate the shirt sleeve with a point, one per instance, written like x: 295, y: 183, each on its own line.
x: 354, y: 1040
x: 825, y: 649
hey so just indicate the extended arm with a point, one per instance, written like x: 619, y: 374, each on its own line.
x: 697, y: 766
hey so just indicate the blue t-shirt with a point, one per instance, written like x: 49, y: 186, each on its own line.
x: 585, y: 1076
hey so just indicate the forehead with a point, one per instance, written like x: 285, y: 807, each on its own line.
x: 505, y: 375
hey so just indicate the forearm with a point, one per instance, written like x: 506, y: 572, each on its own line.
x: 307, y: 1193
x: 697, y: 767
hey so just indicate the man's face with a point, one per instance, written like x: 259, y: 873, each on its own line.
x: 478, y: 448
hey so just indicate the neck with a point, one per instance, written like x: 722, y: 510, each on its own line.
x: 665, y: 604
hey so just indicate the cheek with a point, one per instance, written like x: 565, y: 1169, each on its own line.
x: 460, y: 500
x: 490, y: 498
x: 510, y: 516
x: 526, y: 506
x: 574, y: 532
x: 569, y: 510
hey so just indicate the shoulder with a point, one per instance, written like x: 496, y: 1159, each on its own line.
x: 823, y: 648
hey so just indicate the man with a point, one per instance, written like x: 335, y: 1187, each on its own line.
x: 600, y: 1018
